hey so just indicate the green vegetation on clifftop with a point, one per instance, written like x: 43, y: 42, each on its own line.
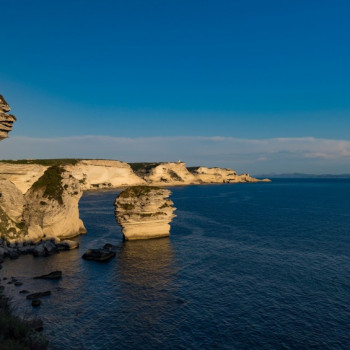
x: 45, y: 162
x: 137, y: 191
x: 142, y: 169
x: 51, y: 182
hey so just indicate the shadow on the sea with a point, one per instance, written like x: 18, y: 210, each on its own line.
x: 146, y: 274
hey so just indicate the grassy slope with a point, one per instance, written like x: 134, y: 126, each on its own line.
x: 16, y: 334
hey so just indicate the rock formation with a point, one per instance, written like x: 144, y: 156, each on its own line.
x: 39, y: 198
x: 99, y: 174
x: 52, y: 206
x: 22, y: 175
x: 170, y: 174
x: 6, y: 119
x: 144, y: 212
x: 221, y: 175
x: 48, y: 210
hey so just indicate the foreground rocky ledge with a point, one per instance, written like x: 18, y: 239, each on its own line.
x: 144, y: 212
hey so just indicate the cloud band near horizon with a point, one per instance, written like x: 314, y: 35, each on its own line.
x: 274, y: 155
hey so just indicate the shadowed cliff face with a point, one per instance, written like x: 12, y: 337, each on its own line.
x: 6, y: 119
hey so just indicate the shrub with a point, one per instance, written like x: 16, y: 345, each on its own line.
x: 51, y: 182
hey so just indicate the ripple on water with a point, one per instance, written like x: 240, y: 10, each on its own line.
x: 260, y: 266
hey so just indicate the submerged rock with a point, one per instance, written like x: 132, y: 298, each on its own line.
x: 38, y: 295
x: 144, y: 212
x: 55, y: 275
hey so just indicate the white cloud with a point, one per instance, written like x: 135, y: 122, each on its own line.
x: 306, y: 154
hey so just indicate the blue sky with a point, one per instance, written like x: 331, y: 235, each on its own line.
x: 239, y: 70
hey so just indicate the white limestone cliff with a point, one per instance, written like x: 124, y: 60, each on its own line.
x: 170, y: 174
x: 48, y: 210
x: 53, y: 213
x: 22, y: 175
x: 99, y: 174
x: 144, y: 212
x: 222, y: 175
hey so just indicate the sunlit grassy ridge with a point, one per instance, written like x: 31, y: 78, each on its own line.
x: 51, y: 182
x: 137, y: 191
x: 45, y: 162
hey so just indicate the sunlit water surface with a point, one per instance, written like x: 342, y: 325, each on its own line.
x: 247, y: 266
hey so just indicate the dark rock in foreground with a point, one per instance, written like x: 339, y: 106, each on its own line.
x: 55, y: 275
x: 38, y: 295
x: 98, y: 255
x: 104, y: 254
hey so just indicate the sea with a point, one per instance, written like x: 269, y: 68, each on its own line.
x: 247, y: 266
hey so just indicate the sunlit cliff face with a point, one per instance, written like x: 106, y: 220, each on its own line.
x: 6, y: 119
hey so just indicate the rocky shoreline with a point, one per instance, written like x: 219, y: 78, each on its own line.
x: 45, y: 248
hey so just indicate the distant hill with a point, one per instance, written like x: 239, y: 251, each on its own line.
x: 303, y: 176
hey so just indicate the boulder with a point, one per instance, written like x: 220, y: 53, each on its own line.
x: 27, y: 249
x: 55, y: 275
x: 39, y: 250
x: 50, y: 247
x: 13, y: 253
x: 3, y: 253
x: 67, y: 245
x: 101, y: 255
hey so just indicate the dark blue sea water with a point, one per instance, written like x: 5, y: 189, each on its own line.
x: 247, y: 266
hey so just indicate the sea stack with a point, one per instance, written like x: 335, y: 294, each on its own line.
x: 144, y: 212
x: 6, y: 120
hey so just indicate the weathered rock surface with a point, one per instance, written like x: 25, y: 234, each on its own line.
x: 22, y: 175
x: 144, y: 212
x: 170, y: 174
x: 67, y: 245
x: 102, y: 255
x: 221, y: 175
x: 101, y: 174
x: 54, y: 215
x: 48, y: 210
x: 6, y: 119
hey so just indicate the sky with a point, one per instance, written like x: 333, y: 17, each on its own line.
x: 258, y: 86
